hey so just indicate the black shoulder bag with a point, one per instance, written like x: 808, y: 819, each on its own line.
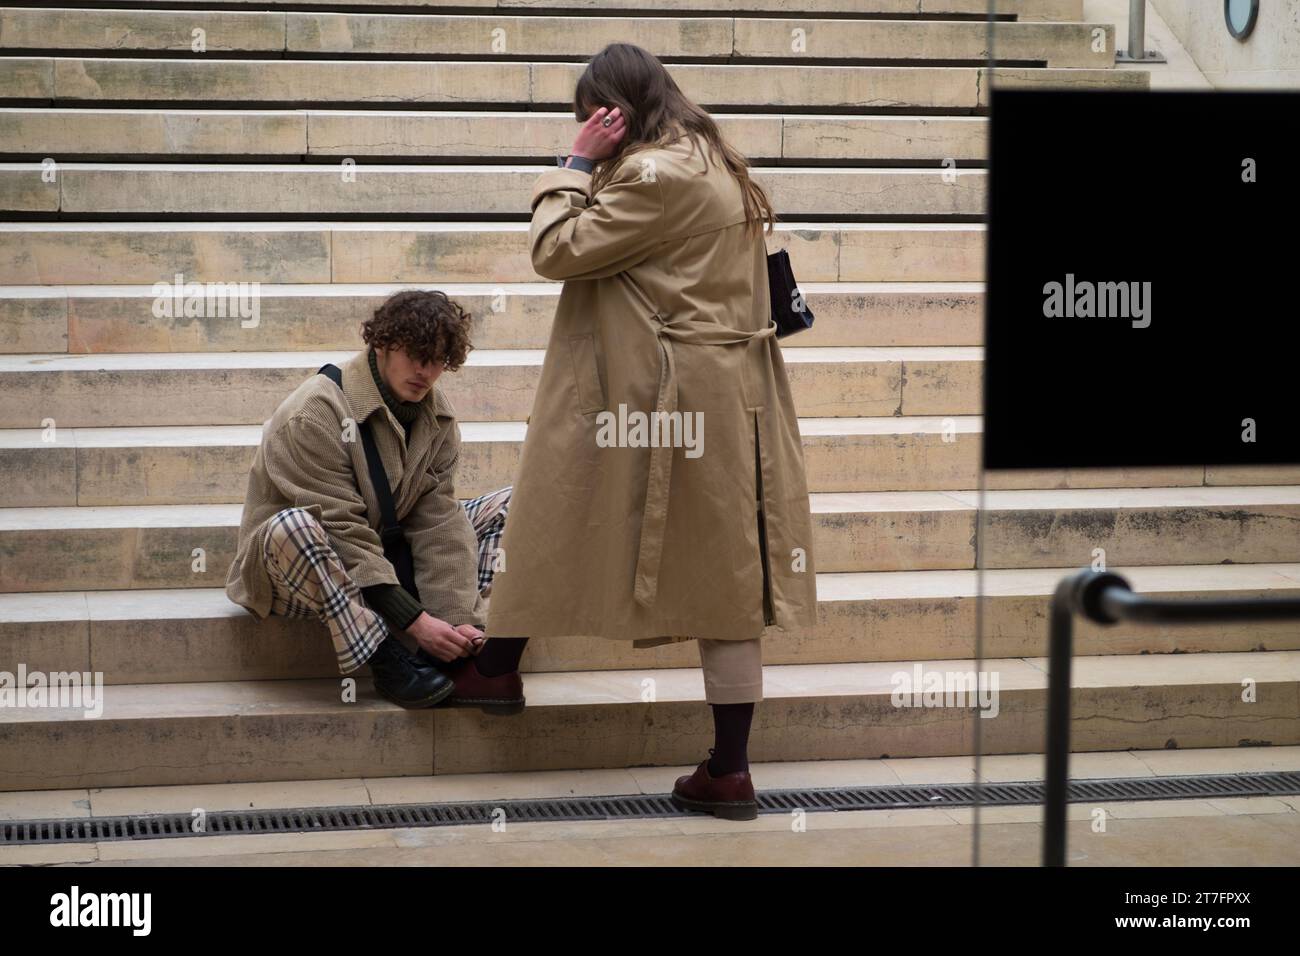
x: 396, y: 548
x: 782, y: 287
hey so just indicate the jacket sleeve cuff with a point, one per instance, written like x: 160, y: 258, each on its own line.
x: 476, y: 615
x: 559, y: 179
x: 372, y: 570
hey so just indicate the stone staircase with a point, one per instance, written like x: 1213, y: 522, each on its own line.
x: 234, y: 164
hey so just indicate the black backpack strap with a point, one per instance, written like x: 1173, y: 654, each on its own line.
x: 331, y: 372
x: 391, y: 535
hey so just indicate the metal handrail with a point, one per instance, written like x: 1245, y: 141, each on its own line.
x: 1106, y: 598
x: 1136, y: 51
x: 1137, y: 29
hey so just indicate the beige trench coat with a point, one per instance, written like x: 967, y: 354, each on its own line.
x: 664, y: 308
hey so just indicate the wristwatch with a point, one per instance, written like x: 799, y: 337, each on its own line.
x: 579, y: 162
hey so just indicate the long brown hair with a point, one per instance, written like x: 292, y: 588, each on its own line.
x: 657, y: 113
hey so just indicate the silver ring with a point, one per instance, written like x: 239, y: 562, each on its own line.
x: 606, y: 121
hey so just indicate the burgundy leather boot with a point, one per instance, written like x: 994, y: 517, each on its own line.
x: 503, y: 694
x: 729, y: 797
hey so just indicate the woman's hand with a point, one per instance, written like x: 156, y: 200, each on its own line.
x: 597, y: 142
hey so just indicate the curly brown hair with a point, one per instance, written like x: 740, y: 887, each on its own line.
x: 427, y: 324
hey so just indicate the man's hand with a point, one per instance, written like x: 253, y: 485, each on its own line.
x: 597, y: 142
x: 440, y: 639
x: 474, y: 634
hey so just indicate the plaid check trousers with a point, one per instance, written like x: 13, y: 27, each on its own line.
x: 309, y: 581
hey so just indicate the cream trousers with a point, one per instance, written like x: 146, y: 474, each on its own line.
x: 733, y: 670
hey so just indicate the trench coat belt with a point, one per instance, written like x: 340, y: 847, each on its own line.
x: 654, y: 515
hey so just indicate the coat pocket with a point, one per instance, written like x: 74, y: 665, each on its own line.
x: 586, y: 373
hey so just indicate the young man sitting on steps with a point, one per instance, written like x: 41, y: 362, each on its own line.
x: 309, y: 540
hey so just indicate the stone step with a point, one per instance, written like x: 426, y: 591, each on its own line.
x: 159, y: 734
x: 208, y: 464
x: 501, y: 35
x: 196, y: 634
x: 270, y: 189
x: 111, y: 253
x: 119, y: 318
x: 243, y: 388
x: 455, y: 136
x: 469, y: 84
x: 1062, y: 10
x: 185, y: 546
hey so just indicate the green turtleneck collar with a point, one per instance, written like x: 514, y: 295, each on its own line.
x: 405, y: 412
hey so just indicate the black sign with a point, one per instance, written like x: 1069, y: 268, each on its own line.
x: 1142, y: 279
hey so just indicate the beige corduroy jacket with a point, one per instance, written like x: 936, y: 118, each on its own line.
x: 308, y: 459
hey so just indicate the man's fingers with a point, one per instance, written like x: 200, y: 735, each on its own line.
x: 459, y: 641
x: 437, y: 651
x: 449, y: 650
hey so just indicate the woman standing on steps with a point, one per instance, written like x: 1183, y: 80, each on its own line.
x: 661, y: 494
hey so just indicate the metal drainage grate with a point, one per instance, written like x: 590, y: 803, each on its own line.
x: 629, y: 807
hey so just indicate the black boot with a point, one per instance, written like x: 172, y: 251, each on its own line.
x: 404, y: 680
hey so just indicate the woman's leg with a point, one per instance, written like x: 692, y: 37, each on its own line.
x: 500, y: 655
x: 733, y: 683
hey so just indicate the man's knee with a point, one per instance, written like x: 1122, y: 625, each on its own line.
x: 294, y: 524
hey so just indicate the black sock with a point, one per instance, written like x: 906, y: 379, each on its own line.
x: 730, y: 738
x: 500, y: 655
